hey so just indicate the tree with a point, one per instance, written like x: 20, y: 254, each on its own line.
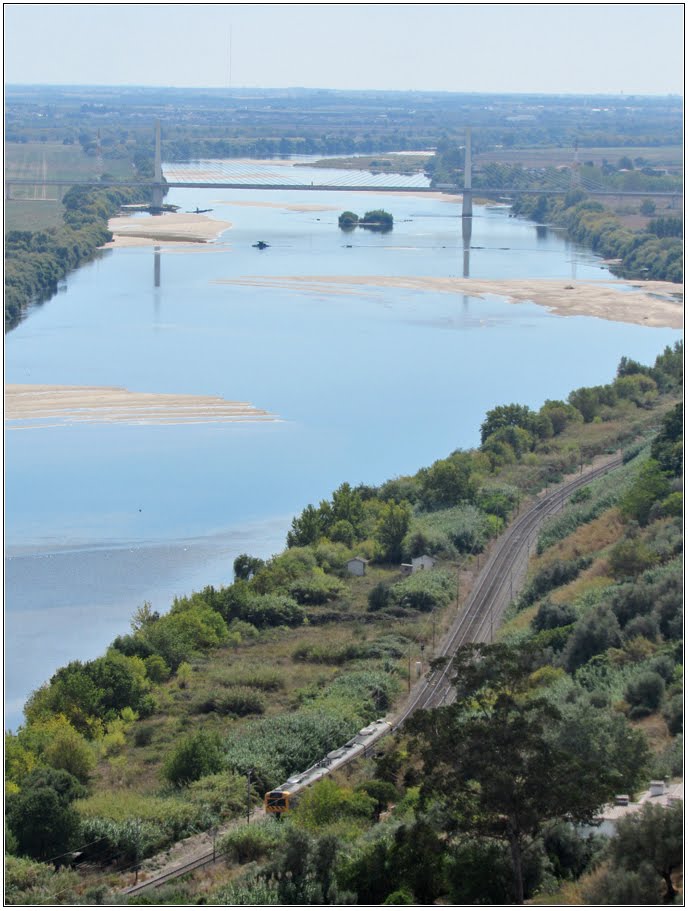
x: 502, y: 758
x: 348, y: 220
x: 592, y: 635
x: 448, y: 481
x: 586, y: 402
x: 507, y: 416
x: 650, y: 487
x: 377, y: 220
x: 42, y: 822
x: 70, y: 751
x: 667, y: 448
x: 306, y: 528
x: 393, y: 525
x: 347, y: 506
x: 653, y: 836
x: 383, y: 792
x: 245, y: 566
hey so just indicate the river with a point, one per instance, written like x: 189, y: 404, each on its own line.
x: 366, y: 385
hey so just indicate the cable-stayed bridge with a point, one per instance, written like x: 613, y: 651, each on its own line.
x: 481, y: 179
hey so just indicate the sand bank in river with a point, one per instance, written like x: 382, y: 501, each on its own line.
x: 57, y: 406
x: 291, y: 207
x: 171, y: 227
x: 650, y: 303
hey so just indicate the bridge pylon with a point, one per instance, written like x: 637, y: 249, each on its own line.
x: 158, y: 186
x: 467, y: 196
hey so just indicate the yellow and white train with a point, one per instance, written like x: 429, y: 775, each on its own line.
x: 283, y: 798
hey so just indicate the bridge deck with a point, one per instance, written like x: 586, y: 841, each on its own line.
x: 354, y: 188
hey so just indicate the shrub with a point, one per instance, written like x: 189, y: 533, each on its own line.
x: 592, y: 634
x: 625, y: 888
x: 127, y: 839
x: 157, y: 670
x: 318, y: 588
x: 250, y: 843
x: 197, y: 755
x: 646, y: 692
x: 328, y: 654
x: 467, y: 527
x: 278, y: 746
x: 348, y: 220
x: 669, y: 763
x: 629, y: 558
x: 424, y: 591
x: 550, y: 616
x: 257, y: 677
x: 240, y: 701
x: 673, y: 713
x: 143, y: 734
x: 555, y: 574
x: 326, y: 803
x: 28, y: 882
x: 379, y: 597
x: 223, y: 793
x: 273, y: 610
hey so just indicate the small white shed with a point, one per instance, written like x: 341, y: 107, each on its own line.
x: 357, y: 566
x: 423, y: 562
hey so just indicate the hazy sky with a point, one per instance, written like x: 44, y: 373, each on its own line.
x: 511, y: 47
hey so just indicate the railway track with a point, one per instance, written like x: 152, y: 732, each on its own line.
x: 495, y: 587
x: 497, y: 583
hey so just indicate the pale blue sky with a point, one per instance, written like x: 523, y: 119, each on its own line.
x: 514, y: 47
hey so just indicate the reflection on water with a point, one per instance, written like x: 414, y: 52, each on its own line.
x: 466, y: 244
x: 369, y: 385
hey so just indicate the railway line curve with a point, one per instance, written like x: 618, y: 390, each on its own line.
x: 495, y: 586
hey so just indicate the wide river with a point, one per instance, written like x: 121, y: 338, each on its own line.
x: 367, y: 384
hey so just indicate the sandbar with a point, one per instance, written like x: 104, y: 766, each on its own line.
x: 291, y: 207
x: 58, y: 406
x: 649, y: 303
x: 171, y: 227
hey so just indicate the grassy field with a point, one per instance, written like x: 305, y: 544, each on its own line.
x: 32, y: 208
x: 671, y: 157
x: 32, y: 215
x: 377, y: 164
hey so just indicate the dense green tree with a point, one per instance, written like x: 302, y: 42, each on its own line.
x: 593, y: 634
x: 667, y: 448
x: 348, y: 220
x: 384, y: 793
x: 586, y: 402
x: 69, y: 750
x: 393, y: 524
x: 507, y: 416
x: 347, y: 506
x: 645, y: 692
x: 652, y: 836
x: 448, y: 481
x: 377, y: 220
x: 245, y: 566
x: 42, y: 822
x: 502, y: 757
x: 650, y: 487
x: 306, y: 528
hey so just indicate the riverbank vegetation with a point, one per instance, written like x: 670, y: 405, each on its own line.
x: 656, y: 252
x: 37, y: 261
x: 152, y: 741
